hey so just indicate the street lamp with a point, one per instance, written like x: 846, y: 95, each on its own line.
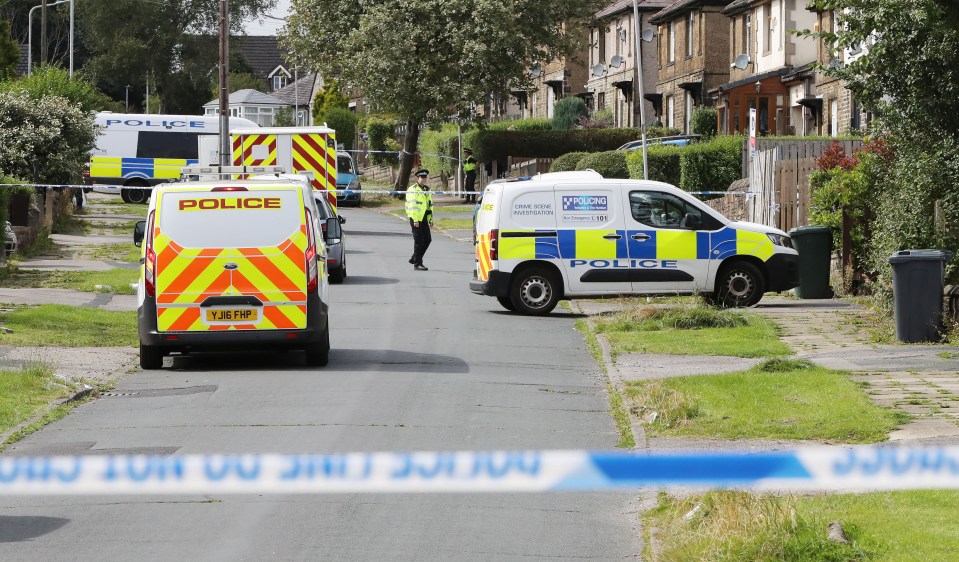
x: 30, y: 35
x: 638, y: 95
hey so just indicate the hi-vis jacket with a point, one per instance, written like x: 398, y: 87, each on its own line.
x: 576, y: 234
x: 419, y: 203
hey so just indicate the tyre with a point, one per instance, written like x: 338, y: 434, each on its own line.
x: 507, y: 303
x: 136, y: 196
x: 535, y: 292
x: 338, y: 275
x: 125, y: 195
x: 319, y: 356
x: 151, y: 357
x: 739, y: 284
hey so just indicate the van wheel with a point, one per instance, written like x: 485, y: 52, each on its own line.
x: 151, y: 357
x: 507, y: 304
x: 136, y: 196
x: 740, y: 284
x: 534, y: 292
x: 320, y: 355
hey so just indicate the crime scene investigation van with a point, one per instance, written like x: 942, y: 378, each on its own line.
x: 578, y: 235
x: 138, y: 151
x: 233, y: 265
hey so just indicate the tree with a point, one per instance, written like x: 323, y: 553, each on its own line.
x: 171, y: 41
x: 343, y: 121
x: 424, y: 59
x: 9, y: 52
x: 240, y: 81
x: 328, y: 98
x: 567, y: 112
x: 47, y: 139
x: 52, y: 81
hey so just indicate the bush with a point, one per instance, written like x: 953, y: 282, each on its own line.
x: 704, y: 121
x: 610, y: 164
x: 53, y: 81
x: 664, y: 163
x: 439, y: 142
x: 567, y: 162
x: 713, y: 165
x: 378, y: 133
x: 529, y: 124
x: 567, y: 112
x: 343, y: 121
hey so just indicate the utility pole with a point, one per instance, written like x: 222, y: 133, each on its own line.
x: 43, y: 32
x: 225, y: 153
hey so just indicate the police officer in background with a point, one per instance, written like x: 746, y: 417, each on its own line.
x: 469, y: 167
x: 419, y: 209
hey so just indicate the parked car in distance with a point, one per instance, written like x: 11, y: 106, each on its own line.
x: 676, y: 140
x: 335, y: 248
x: 10, y: 237
x: 347, y: 178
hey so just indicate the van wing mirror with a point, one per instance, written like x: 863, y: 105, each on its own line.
x: 333, y: 229
x: 139, y: 229
x: 691, y: 222
x: 342, y: 219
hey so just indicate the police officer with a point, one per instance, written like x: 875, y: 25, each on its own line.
x: 419, y: 209
x: 469, y: 167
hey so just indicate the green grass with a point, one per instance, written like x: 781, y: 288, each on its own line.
x: 692, y: 331
x: 454, y: 209
x: 454, y: 224
x: 907, y: 526
x: 125, y: 252
x: 948, y: 355
x: 617, y: 407
x: 118, y: 207
x: 116, y: 281
x: 25, y: 392
x: 69, y: 326
x: 113, y: 227
x: 779, y: 399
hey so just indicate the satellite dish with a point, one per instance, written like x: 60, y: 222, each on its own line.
x: 617, y: 61
x: 741, y: 62
x: 598, y: 70
x: 647, y: 35
x: 536, y: 70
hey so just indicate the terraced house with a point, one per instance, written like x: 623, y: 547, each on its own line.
x: 692, y: 59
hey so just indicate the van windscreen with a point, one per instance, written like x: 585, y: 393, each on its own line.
x: 248, y: 219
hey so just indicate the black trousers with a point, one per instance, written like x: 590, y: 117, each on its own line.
x: 421, y: 240
x: 470, y: 187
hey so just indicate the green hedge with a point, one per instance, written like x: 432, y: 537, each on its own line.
x: 713, y: 165
x: 610, y: 164
x: 529, y: 124
x: 491, y: 144
x: 663, y: 163
x: 439, y: 142
x: 379, y: 133
x: 567, y: 162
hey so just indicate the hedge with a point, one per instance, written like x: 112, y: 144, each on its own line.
x: 567, y: 162
x: 664, y: 163
x: 610, y: 164
x: 489, y: 145
x: 711, y: 166
x: 442, y: 142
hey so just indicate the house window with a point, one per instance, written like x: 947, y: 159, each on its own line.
x: 672, y: 41
x: 279, y: 81
x: 670, y: 111
x: 768, y: 40
x: 601, y: 101
x: 602, y: 44
x: 690, y: 33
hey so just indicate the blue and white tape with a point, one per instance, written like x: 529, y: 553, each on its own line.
x: 824, y: 468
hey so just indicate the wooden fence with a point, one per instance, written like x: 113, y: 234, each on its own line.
x: 796, y: 149
x: 792, y: 192
x: 523, y: 166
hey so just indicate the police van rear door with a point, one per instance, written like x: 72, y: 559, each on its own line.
x: 666, y: 254
x: 231, y: 258
x: 592, y: 238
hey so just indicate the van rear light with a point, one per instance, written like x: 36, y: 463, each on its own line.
x: 312, y: 277
x: 494, y: 244
x: 230, y: 188
x: 150, y: 261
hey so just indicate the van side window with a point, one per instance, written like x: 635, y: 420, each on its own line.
x: 165, y: 144
x: 660, y: 210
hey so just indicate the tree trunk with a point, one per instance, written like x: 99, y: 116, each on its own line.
x: 407, y: 156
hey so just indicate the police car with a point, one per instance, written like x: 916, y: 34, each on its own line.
x: 578, y: 235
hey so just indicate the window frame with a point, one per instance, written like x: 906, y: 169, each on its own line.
x: 672, y: 42
x: 690, y: 33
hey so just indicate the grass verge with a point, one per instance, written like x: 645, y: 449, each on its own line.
x: 116, y: 252
x: 455, y: 224
x: 617, y: 406
x: 69, y: 326
x: 779, y: 399
x: 453, y: 209
x: 909, y: 526
x: 115, y: 281
x: 27, y: 391
x: 692, y: 331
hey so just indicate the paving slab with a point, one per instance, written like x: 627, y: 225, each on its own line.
x: 643, y: 366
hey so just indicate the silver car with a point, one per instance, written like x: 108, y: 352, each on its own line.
x: 335, y: 248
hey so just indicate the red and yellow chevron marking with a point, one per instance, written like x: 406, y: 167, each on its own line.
x: 317, y: 153
x: 243, y: 151
x: 482, y: 257
x: 188, y: 276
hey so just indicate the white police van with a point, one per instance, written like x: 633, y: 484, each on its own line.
x: 578, y: 235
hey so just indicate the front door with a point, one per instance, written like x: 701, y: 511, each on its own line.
x: 666, y: 253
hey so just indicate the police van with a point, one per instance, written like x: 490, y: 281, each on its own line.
x: 578, y: 235
x: 233, y: 265
x: 138, y: 151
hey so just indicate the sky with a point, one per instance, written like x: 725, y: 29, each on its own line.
x: 268, y: 26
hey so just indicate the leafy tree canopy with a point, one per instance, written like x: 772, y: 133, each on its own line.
x: 329, y: 98
x: 9, y: 52
x: 53, y: 81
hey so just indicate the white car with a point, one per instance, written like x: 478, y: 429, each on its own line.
x: 12, y: 243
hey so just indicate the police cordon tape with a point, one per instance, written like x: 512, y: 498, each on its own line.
x: 821, y: 468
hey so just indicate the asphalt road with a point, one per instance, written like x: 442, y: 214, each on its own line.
x: 418, y: 363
